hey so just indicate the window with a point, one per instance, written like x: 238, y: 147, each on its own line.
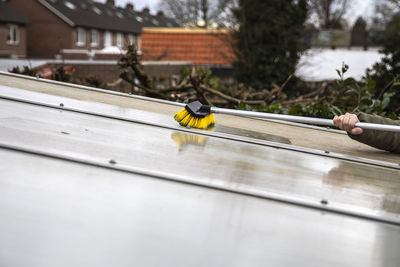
x: 81, y: 37
x: 96, y: 10
x: 70, y: 5
x: 119, y: 39
x: 131, y: 39
x: 120, y: 15
x: 12, y: 34
x: 107, y: 39
x: 138, y: 42
x: 94, y: 38
x: 325, y: 36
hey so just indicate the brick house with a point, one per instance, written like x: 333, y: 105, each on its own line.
x: 12, y: 31
x: 83, y: 28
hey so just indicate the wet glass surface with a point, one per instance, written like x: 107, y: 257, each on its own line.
x: 62, y: 213
x: 361, y: 188
x: 251, y: 134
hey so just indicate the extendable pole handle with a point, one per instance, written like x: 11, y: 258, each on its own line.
x: 300, y: 119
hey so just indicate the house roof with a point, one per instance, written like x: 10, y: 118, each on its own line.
x: 91, y: 14
x: 199, y: 46
x: 9, y: 15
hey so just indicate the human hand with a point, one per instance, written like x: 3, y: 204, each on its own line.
x: 347, y: 122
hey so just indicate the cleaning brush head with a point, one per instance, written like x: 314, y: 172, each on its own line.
x: 195, y: 115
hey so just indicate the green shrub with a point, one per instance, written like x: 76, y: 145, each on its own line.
x: 349, y: 95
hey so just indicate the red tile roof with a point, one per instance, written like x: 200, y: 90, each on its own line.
x: 199, y: 46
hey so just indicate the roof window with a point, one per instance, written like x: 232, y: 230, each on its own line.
x: 155, y: 22
x: 119, y: 15
x: 69, y: 5
x: 138, y: 18
x: 96, y: 10
x: 110, y: 13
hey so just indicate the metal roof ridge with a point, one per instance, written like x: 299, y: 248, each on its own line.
x: 93, y: 89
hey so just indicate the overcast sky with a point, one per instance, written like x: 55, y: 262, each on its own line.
x: 359, y: 7
x: 138, y: 4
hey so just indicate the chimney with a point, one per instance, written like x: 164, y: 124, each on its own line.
x: 110, y: 2
x: 129, y: 6
x: 160, y: 14
x: 146, y: 11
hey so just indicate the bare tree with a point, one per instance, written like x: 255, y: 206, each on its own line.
x: 395, y: 3
x: 329, y: 13
x: 384, y: 12
x: 198, y: 13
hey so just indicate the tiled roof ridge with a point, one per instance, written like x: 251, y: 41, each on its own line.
x: 183, y: 30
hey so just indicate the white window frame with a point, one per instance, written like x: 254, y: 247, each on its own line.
x: 120, y: 39
x: 13, y: 33
x: 80, y: 37
x: 138, y: 42
x: 107, y: 39
x: 94, y: 38
x: 131, y: 39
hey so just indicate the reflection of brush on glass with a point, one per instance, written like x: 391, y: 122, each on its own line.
x: 183, y: 139
x: 201, y: 116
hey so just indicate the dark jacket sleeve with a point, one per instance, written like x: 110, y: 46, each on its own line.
x: 389, y: 141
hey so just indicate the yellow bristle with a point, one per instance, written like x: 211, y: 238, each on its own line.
x: 181, y: 115
x: 186, y: 119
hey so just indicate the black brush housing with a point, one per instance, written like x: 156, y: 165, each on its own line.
x: 198, y: 110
